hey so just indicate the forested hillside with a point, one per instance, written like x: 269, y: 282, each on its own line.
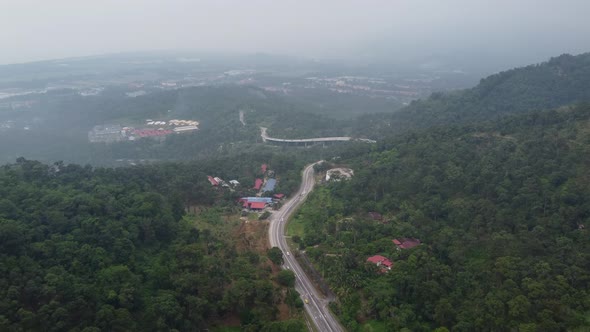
x: 503, y: 213
x: 560, y: 81
x: 85, y: 249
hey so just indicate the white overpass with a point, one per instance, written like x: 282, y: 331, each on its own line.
x: 305, y: 141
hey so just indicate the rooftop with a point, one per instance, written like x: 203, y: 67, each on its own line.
x: 269, y: 185
x: 258, y: 184
x: 406, y: 243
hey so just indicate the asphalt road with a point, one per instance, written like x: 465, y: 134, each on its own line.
x: 265, y: 138
x: 316, y: 306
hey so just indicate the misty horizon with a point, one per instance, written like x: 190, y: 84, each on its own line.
x: 526, y: 32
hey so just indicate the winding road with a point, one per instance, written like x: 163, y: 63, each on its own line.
x: 315, y: 305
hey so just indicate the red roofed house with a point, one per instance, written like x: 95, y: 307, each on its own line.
x: 258, y: 184
x: 406, y: 243
x: 263, y: 168
x: 212, y: 180
x: 381, y: 261
x: 278, y: 196
x: 256, y: 205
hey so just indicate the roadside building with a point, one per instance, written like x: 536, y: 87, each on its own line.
x: 256, y: 206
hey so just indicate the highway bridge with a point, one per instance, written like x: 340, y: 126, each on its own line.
x: 309, y: 141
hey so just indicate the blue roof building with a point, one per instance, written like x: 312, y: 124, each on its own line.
x: 257, y: 199
x: 270, y: 185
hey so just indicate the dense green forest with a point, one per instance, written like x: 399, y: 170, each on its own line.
x: 560, y: 81
x: 502, y: 209
x: 85, y: 249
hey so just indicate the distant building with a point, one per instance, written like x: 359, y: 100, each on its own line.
x: 234, y: 182
x: 263, y: 168
x: 381, y: 261
x: 279, y: 196
x: 212, y: 180
x: 150, y: 132
x: 185, y: 129
x: 106, y: 134
x: 406, y: 243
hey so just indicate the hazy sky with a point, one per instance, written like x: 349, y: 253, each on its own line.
x: 43, y: 29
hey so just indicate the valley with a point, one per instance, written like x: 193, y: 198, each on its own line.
x: 202, y: 205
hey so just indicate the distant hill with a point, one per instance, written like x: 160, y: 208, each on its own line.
x: 560, y: 81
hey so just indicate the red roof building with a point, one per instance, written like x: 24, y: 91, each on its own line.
x: 278, y: 196
x: 151, y: 132
x: 256, y: 205
x: 406, y: 243
x: 263, y: 168
x: 258, y: 184
x: 212, y: 180
x: 381, y: 261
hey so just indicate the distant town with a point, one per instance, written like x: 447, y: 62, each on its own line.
x: 151, y: 129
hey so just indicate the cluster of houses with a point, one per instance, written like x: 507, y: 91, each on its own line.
x: 254, y: 203
x: 384, y: 263
x: 176, y: 125
x: 268, y: 183
x: 116, y: 133
x: 216, y: 181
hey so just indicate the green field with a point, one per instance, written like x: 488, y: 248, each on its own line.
x: 295, y: 227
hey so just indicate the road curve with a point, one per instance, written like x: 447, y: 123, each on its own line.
x: 317, y: 308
